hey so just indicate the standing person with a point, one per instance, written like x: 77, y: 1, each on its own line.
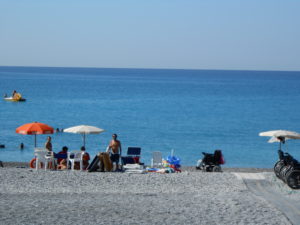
x: 48, y: 144
x: 115, y: 150
x: 50, y: 153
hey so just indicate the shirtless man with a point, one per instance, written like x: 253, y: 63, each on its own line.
x: 115, y: 150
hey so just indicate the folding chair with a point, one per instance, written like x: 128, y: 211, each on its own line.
x: 133, y: 156
x: 156, y: 160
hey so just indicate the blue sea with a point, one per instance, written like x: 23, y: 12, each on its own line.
x: 189, y: 111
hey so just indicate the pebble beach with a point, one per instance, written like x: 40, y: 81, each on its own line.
x: 73, y: 197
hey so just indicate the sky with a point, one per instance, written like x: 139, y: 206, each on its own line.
x: 171, y: 34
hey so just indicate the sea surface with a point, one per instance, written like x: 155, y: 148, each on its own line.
x: 189, y: 111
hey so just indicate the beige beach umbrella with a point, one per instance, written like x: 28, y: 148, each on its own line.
x: 280, y: 136
x: 84, y: 129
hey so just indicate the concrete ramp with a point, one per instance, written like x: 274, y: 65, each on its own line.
x: 249, y: 176
x: 257, y: 184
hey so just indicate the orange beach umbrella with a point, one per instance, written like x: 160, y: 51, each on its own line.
x: 34, y: 129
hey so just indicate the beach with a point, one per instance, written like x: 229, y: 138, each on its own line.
x: 189, y: 109
x: 191, y: 197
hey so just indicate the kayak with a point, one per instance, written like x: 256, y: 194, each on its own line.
x: 11, y: 99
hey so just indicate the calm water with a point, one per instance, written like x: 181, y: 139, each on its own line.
x: 189, y: 111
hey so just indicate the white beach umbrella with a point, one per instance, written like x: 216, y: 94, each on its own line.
x: 84, y: 129
x: 280, y: 135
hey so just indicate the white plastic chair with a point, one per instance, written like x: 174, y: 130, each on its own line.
x: 50, y: 158
x: 75, y: 156
x: 40, y: 155
x: 156, y: 160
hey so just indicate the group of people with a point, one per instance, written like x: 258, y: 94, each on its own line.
x: 114, y: 149
x: 63, y: 155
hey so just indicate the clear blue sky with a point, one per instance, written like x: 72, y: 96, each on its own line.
x: 195, y: 34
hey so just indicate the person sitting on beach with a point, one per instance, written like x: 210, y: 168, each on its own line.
x: 85, y: 158
x: 62, y: 158
x: 115, y: 150
x: 63, y: 154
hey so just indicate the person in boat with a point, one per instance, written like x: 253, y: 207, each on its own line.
x: 115, y: 150
x: 13, y: 95
x: 16, y: 96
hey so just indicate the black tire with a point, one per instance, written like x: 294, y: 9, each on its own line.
x: 293, y: 179
x: 217, y: 169
x: 282, y: 173
x: 286, y: 172
x: 207, y: 169
x: 277, y: 167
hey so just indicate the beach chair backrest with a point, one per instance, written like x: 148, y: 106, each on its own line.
x: 76, y: 154
x: 40, y: 150
x: 157, y: 157
x: 156, y: 160
x: 134, y: 151
x: 40, y: 154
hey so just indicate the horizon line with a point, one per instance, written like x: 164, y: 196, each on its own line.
x: 145, y: 68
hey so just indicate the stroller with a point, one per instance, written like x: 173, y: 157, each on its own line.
x: 211, y: 162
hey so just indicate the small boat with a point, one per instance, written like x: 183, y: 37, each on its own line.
x: 17, y: 98
x: 11, y: 99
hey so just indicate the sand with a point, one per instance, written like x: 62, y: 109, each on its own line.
x: 74, y: 197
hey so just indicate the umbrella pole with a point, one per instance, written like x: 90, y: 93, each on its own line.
x: 84, y: 139
x: 35, y: 140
